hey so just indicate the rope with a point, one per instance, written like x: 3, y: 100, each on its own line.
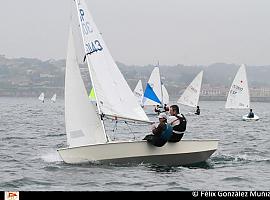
x: 130, y: 130
x: 114, y: 129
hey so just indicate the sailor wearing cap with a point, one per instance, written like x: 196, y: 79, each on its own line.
x: 161, y: 133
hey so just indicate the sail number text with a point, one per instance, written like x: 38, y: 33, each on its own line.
x: 92, y: 47
x: 86, y: 27
x: 235, y: 89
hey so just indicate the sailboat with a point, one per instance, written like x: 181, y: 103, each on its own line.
x: 138, y: 92
x: 92, y: 95
x: 155, y: 92
x: 238, y: 95
x: 86, y: 137
x: 53, y: 99
x: 191, y: 95
x: 41, y: 97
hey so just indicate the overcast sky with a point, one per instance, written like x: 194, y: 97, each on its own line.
x: 144, y: 31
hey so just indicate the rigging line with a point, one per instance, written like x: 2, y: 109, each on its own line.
x: 114, y: 129
x: 102, y: 119
x: 134, y: 121
x: 130, y: 130
x: 84, y: 58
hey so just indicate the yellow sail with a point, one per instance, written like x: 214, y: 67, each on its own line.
x: 92, y: 95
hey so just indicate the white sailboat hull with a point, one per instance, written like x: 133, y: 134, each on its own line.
x: 184, y: 152
x: 191, y: 114
x: 246, y: 118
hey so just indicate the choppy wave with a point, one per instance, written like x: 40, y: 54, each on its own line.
x: 32, y: 132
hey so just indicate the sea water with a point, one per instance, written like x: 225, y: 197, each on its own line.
x: 32, y: 131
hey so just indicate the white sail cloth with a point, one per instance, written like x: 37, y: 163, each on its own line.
x: 114, y: 96
x: 138, y: 92
x: 238, y: 96
x: 191, y: 95
x: 83, y: 125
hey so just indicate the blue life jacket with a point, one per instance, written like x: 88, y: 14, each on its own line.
x: 167, y: 132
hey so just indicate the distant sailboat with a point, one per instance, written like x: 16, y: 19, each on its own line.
x: 165, y: 95
x: 155, y: 93
x: 86, y: 137
x: 238, y: 95
x: 41, y: 97
x: 138, y: 92
x: 53, y: 99
x: 92, y: 95
x: 191, y: 95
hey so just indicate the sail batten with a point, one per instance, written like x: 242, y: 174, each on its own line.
x: 113, y: 95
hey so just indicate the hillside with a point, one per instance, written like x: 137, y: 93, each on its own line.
x: 28, y: 77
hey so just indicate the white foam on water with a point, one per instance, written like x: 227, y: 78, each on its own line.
x: 51, y: 156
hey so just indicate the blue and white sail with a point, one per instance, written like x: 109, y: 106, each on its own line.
x: 153, y: 90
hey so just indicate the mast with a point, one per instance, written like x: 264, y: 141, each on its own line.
x: 162, y: 104
x: 90, y: 73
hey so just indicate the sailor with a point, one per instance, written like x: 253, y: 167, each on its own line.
x: 157, y: 109
x: 250, y: 114
x: 198, y: 111
x: 178, y: 122
x: 161, y: 132
x: 165, y: 108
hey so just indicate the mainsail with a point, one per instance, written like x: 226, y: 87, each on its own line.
x: 138, y: 92
x: 165, y: 95
x: 83, y: 125
x: 190, y: 96
x: 238, y: 96
x: 41, y: 97
x: 153, y: 91
x: 53, y: 99
x: 114, y: 96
